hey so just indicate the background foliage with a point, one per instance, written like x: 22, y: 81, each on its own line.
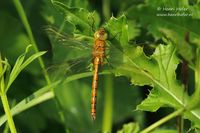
x: 154, y: 60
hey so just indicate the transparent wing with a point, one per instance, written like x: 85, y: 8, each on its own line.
x: 66, y: 68
x: 71, y: 54
x: 77, y: 41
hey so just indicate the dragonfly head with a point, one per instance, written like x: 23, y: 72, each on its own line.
x: 100, y: 34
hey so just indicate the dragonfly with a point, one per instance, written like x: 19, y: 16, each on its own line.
x: 97, y: 53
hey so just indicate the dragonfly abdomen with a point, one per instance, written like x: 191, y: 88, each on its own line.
x: 94, y: 88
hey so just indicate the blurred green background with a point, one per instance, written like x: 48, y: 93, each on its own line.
x: 73, y: 98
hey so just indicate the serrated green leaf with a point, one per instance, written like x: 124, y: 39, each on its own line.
x: 135, y: 65
x: 161, y: 75
x: 82, y: 19
x: 120, y: 29
x: 159, y: 70
x: 149, y: 103
x: 129, y: 128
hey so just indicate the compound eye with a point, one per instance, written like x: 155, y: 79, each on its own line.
x: 96, y: 35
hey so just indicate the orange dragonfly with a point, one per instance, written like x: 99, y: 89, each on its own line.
x: 97, y: 53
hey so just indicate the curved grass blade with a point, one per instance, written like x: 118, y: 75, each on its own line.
x: 21, y: 64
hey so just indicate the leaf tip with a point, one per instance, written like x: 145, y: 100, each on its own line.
x: 28, y: 47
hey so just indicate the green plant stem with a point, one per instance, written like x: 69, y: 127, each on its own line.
x: 8, y: 113
x: 106, y: 9
x: 6, y: 128
x: 108, y: 104
x: 25, y: 22
x: 163, y: 120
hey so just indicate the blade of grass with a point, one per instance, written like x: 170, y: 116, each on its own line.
x: 15, y: 71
